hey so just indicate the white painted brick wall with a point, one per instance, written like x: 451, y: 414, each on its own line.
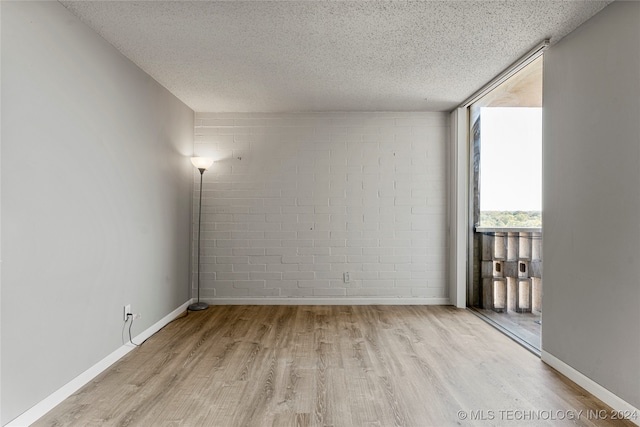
x: 293, y: 201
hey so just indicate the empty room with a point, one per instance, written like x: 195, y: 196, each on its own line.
x: 319, y: 213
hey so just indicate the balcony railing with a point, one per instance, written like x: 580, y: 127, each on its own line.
x: 511, y: 269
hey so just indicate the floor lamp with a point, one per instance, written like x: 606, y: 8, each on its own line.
x: 202, y: 164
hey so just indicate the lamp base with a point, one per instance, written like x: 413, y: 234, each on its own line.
x: 198, y: 306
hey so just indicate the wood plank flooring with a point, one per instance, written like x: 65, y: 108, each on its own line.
x: 360, y: 366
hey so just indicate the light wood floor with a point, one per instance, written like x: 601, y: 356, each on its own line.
x: 328, y: 366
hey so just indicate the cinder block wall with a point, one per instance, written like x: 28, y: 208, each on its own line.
x: 294, y: 201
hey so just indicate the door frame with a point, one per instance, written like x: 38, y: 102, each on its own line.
x: 460, y: 230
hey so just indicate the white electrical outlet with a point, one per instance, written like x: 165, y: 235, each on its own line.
x: 347, y: 277
x: 127, y: 311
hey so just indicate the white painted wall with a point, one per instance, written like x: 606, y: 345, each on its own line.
x: 296, y: 200
x: 591, y: 205
x: 95, y: 200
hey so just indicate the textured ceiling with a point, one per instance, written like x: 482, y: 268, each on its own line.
x: 284, y: 56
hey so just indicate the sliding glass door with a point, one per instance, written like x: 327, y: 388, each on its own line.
x: 506, y: 144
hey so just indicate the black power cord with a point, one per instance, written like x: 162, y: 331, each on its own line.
x: 131, y: 316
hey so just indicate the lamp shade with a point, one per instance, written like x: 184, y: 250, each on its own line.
x: 202, y: 162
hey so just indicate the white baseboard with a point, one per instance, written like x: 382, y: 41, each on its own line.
x: 326, y: 301
x: 591, y: 386
x: 54, y: 399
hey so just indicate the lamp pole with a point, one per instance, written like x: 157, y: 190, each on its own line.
x: 201, y: 163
